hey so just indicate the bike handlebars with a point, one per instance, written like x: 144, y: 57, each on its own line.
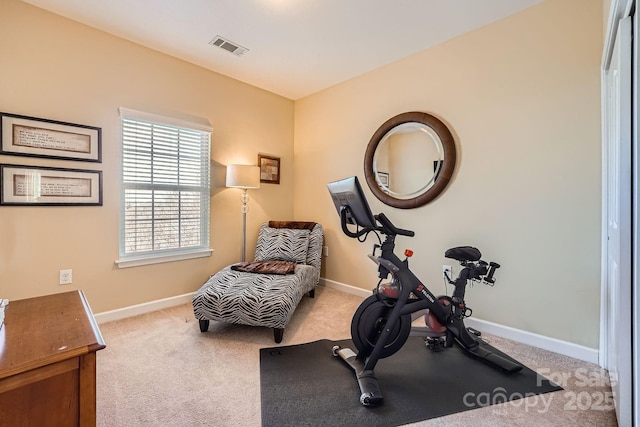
x: 477, y: 272
x: 389, y: 228
x: 493, y: 266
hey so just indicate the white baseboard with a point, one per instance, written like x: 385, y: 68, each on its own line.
x: 147, y: 307
x: 346, y: 288
x: 540, y: 341
x: 135, y: 310
x: 546, y: 343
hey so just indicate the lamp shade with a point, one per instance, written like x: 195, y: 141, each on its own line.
x: 243, y: 176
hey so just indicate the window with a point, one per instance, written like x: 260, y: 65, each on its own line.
x: 164, y: 213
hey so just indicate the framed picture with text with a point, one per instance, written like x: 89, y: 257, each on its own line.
x: 46, y: 186
x: 35, y: 137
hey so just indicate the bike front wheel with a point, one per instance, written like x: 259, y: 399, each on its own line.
x: 368, y: 323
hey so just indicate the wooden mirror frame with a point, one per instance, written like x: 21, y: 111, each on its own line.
x: 448, y: 166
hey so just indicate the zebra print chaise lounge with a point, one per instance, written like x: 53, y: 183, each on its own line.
x: 265, y: 299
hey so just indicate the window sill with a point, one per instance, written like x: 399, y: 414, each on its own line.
x: 157, y: 259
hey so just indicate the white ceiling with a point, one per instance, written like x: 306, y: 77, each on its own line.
x: 296, y: 47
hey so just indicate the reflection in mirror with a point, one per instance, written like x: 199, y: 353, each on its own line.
x: 410, y: 160
x: 407, y: 160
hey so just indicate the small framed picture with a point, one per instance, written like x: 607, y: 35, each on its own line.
x: 31, y: 136
x: 45, y: 186
x: 269, y: 169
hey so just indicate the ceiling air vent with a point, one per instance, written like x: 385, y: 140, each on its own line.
x: 228, y: 45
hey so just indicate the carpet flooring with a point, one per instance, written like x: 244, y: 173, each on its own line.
x: 159, y: 370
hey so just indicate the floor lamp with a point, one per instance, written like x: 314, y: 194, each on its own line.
x: 243, y: 177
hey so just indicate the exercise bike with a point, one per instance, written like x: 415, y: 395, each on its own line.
x: 383, y: 322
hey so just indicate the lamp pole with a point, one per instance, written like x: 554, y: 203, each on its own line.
x: 244, y: 198
x: 243, y: 177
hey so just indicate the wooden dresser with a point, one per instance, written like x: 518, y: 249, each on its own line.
x: 48, y: 362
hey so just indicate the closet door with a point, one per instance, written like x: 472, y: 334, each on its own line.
x: 618, y: 275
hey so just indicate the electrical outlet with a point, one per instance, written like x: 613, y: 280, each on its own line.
x: 66, y: 277
x: 446, y: 271
x: 325, y: 251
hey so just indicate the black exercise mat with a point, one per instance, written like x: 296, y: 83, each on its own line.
x: 305, y: 385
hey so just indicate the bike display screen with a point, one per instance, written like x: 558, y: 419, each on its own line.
x: 347, y: 193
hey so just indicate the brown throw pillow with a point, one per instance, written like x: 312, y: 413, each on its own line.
x: 297, y: 225
x: 266, y: 267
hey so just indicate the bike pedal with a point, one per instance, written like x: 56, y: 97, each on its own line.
x: 434, y: 344
x: 474, y: 331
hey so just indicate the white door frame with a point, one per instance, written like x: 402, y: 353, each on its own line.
x: 621, y: 9
x: 635, y: 106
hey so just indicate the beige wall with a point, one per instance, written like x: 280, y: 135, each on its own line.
x: 522, y: 97
x: 54, y: 68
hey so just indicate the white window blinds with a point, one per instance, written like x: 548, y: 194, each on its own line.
x: 165, y: 186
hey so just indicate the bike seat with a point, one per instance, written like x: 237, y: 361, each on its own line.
x: 463, y: 253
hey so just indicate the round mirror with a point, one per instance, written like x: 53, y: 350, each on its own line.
x: 410, y: 160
